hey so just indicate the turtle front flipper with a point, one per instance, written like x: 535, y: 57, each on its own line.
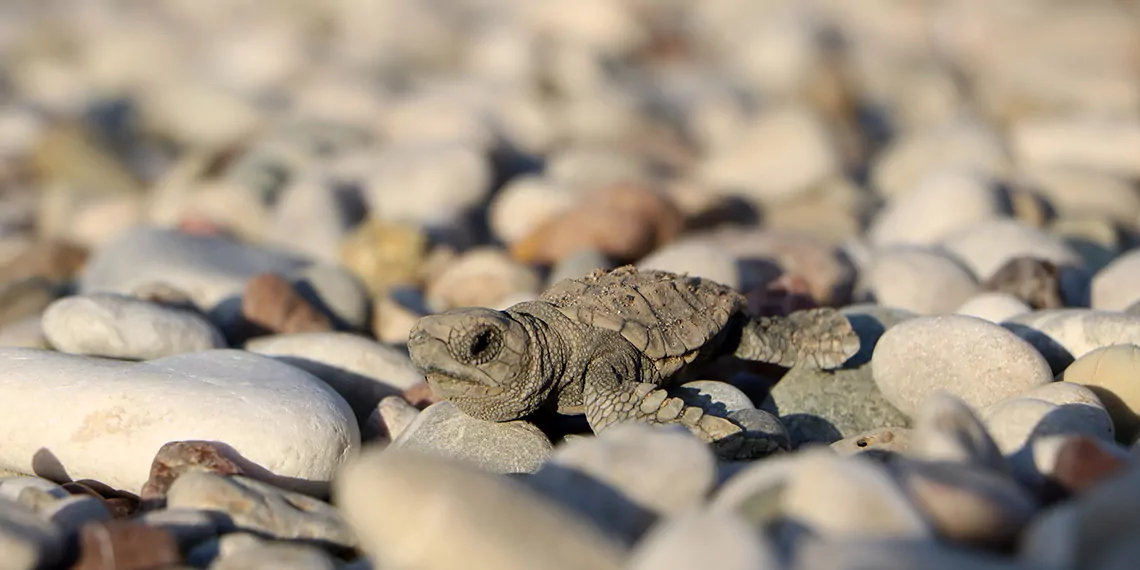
x: 612, y: 396
x: 820, y: 338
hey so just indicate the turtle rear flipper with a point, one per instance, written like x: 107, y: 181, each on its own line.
x: 819, y: 338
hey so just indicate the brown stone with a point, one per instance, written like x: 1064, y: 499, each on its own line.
x: 178, y: 457
x: 623, y: 221
x: 271, y: 302
x: 421, y: 395
x: 1082, y: 463
x: 781, y: 297
x: 56, y: 261
x: 1037, y: 282
x: 125, y: 545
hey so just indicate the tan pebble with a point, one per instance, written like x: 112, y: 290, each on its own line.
x: 1113, y: 374
x: 623, y: 221
x: 385, y: 254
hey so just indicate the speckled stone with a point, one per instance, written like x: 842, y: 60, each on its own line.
x: 971, y: 358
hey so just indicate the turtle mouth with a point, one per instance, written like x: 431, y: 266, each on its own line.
x: 450, y: 387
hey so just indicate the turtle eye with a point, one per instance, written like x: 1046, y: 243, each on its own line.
x: 483, y: 345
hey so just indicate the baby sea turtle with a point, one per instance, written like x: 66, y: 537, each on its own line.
x: 607, y: 345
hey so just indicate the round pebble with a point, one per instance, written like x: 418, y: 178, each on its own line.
x: 1111, y: 373
x: 973, y: 359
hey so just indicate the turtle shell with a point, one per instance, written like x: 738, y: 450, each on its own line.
x: 668, y: 317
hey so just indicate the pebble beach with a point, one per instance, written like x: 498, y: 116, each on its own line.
x: 221, y: 222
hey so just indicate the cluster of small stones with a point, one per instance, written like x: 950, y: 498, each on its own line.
x: 218, y: 222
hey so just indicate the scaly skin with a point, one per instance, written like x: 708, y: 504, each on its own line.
x: 505, y: 365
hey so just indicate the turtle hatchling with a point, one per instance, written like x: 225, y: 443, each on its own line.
x: 609, y: 344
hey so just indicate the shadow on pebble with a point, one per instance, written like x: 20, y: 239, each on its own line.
x: 607, y: 508
x: 808, y: 428
x: 1058, y: 357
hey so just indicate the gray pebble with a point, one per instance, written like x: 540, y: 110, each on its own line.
x: 115, y: 326
x: 499, y: 447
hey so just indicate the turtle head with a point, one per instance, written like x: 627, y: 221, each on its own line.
x: 480, y: 360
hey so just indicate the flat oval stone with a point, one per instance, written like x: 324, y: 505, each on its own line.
x: 993, y: 306
x: 361, y: 370
x: 1113, y: 374
x: 971, y: 358
x: 394, y: 500
x: 276, y: 416
x: 499, y: 447
x: 987, y: 246
x: 115, y: 326
x: 924, y: 282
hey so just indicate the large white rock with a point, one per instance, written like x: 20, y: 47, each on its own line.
x: 75, y: 417
x: 360, y: 369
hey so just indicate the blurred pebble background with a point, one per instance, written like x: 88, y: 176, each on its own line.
x: 461, y: 145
